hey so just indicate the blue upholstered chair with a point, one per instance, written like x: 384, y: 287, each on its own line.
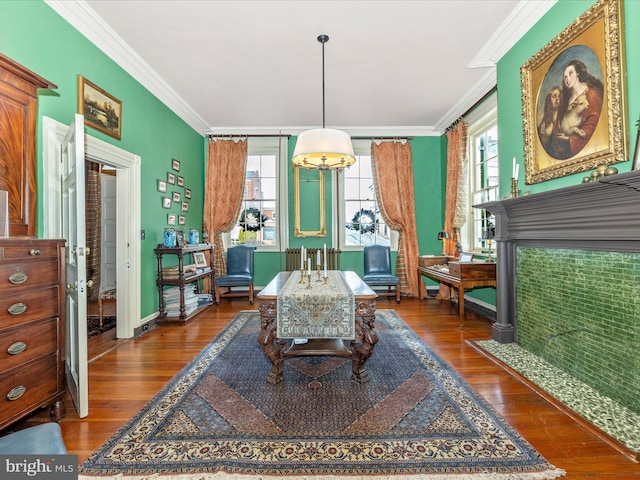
x: 377, y: 270
x: 239, y: 273
x: 44, y: 439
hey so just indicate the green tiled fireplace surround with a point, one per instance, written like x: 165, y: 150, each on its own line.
x: 568, y: 281
x: 580, y: 311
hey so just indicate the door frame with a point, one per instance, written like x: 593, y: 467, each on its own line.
x: 128, y: 245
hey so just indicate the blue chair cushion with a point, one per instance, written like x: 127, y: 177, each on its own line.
x: 240, y: 280
x: 376, y: 279
x: 45, y: 439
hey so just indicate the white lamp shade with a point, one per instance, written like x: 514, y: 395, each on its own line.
x: 324, y: 149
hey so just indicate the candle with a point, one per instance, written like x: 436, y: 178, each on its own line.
x: 513, y: 169
x: 325, y: 258
x: 318, y: 258
x: 517, y: 171
x: 325, y: 269
x: 303, y: 255
x: 308, y: 266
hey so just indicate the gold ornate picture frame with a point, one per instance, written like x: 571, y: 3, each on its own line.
x: 574, y: 97
x: 101, y: 110
x: 310, y: 183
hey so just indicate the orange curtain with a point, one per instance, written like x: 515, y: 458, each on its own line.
x: 393, y: 181
x: 224, y: 191
x: 456, y: 153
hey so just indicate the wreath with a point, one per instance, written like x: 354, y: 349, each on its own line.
x: 252, y: 220
x: 365, y: 221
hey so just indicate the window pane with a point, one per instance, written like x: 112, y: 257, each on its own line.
x: 257, y: 224
x: 363, y: 224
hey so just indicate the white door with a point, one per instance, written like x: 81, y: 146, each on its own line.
x: 73, y: 225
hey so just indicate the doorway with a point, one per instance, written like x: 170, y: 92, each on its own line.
x: 127, y: 187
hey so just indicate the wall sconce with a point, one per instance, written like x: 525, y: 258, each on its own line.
x: 443, y: 236
x: 488, y: 235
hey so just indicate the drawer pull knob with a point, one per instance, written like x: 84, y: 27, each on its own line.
x: 34, y: 252
x: 16, y: 393
x: 17, y: 308
x: 18, y: 277
x: 16, y: 348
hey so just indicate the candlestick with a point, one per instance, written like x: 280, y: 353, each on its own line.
x: 325, y: 257
x: 514, y: 188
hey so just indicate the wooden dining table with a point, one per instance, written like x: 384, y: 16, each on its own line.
x: 278, y: 349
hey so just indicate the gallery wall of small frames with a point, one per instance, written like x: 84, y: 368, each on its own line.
x: 174, y: 195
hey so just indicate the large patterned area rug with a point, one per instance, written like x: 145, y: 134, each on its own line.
x: 415, y: 419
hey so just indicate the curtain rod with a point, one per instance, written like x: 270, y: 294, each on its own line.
x: 375, y: 137
x: 259, y: 135
x: 471, y: 108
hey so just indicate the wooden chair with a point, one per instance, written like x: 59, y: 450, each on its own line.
x: 293, y: 258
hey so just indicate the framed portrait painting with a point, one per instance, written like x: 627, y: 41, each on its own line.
x: 101, y: 110
x: 574, y: 97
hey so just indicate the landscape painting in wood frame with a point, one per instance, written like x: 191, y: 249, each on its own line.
x: 574, y: 97
x: 101, y: 110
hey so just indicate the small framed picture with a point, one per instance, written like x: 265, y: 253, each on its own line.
x: 171, y: 178
x: 187, y: 193
x: 166, y: 202
x: 181, y: 220
x: 171, y: 219
x: 200, y: 259
x: 466, y: 257
x: 180, y: 181
x: 175, y: 164
x: 162, y: 186
x: 180, y: 238
x: 185, y: 206
x: 176, y: 197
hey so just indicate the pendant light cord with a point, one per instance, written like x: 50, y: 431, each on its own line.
x: 323, y: 39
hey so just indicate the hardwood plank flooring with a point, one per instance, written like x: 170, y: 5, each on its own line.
x: 123, y: 379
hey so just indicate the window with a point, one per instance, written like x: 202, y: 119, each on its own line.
x: 259, y: 222
x: 483, y: 173
x: 359, y: 215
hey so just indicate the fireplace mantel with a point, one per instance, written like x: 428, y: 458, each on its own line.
x: 602, y: 215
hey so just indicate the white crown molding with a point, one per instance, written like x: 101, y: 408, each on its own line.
x: 480, y: 89
x: 95, y: 29
x: 520, y: 20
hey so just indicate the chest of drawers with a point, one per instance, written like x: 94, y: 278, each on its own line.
x: 32, y: 328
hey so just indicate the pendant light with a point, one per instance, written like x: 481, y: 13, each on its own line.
x: 323, y: 148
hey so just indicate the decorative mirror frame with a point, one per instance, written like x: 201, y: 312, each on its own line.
x: 297, y: 232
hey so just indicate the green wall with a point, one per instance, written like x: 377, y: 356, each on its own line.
x: 511, y: 143
x: 38, y: 38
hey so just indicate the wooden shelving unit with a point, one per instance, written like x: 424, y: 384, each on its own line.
x: 183, y: 279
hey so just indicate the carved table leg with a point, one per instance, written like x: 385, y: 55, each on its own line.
x: 366, y: 339
x: 272, y: 347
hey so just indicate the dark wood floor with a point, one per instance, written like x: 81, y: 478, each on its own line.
x: 123, y: 379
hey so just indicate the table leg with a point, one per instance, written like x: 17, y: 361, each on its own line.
x: 366, y: 339
x: 272, y: 347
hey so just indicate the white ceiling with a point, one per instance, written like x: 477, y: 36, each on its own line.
x: 391, y: 67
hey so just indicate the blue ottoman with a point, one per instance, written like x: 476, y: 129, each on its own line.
x: 39, y: 440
